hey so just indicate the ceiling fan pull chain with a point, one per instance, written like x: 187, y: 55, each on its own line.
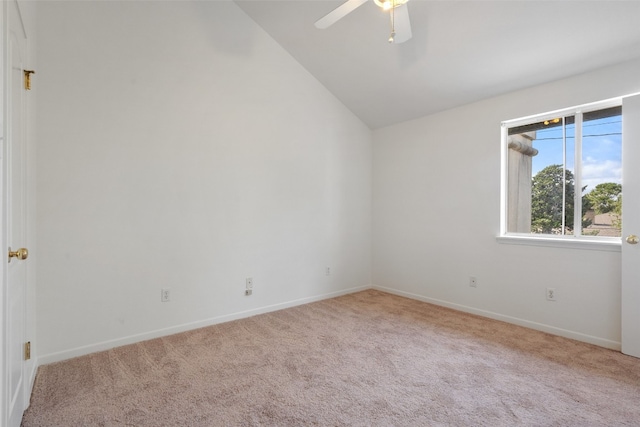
x: 393, y: 23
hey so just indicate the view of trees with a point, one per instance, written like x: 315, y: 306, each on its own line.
x: 546, y: 200
x: 607, y: 197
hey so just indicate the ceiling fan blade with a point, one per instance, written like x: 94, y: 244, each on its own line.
x: 339, y: 13
x: 402, y: 24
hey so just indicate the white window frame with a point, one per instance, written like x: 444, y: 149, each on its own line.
x: 577, y: 240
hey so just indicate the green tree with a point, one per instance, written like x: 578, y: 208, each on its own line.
x: 586, y: 206
x: 546, y: 200
x: 605, y: 197
x: 617, y: 209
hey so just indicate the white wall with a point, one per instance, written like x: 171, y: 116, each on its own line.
x: 179, y: 146
x: 436, y: 215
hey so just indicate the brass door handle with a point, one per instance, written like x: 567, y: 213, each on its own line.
x: 21, y: 253
x: 632, y: 239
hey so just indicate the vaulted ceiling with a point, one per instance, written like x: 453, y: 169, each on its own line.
x: 461, y: 51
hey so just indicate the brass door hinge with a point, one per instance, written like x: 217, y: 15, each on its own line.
x: 27, y: 79
x: 27, y: 350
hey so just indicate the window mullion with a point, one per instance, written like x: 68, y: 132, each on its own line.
x: 577, y: 177
x: 564, y: 174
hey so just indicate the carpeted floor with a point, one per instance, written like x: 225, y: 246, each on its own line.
x: 366, y: 359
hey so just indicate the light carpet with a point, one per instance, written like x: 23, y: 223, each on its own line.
x: 365, y: 359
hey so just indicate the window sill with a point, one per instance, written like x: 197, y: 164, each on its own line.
x: 608, y: 244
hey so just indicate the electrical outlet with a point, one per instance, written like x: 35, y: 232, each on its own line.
x: 248, y: 292
x: 473, y: 282
x: 249, y: 282
x: 165, y: 295
x: 551, y: 294
x: 327, y: 271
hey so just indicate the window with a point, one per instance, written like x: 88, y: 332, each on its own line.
x: 563, y: 174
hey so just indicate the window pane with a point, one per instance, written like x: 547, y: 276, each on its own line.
x: 602, y: 172
x: 540, y: 196
x: 552, y: 177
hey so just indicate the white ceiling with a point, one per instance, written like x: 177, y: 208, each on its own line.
x: 461, y: 51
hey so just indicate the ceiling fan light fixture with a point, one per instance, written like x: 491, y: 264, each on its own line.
x: 389, y: 4
x: 400, y: 24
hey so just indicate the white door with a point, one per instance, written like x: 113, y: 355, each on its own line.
x: 631, y: 226
x: 14, y: 221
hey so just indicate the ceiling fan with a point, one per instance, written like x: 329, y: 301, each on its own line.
x: 398, y: 15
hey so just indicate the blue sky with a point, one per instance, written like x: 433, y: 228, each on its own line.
x: 601, y: 150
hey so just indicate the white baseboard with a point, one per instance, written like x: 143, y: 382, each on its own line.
x: 613, y: 345
x: 106, y: 345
